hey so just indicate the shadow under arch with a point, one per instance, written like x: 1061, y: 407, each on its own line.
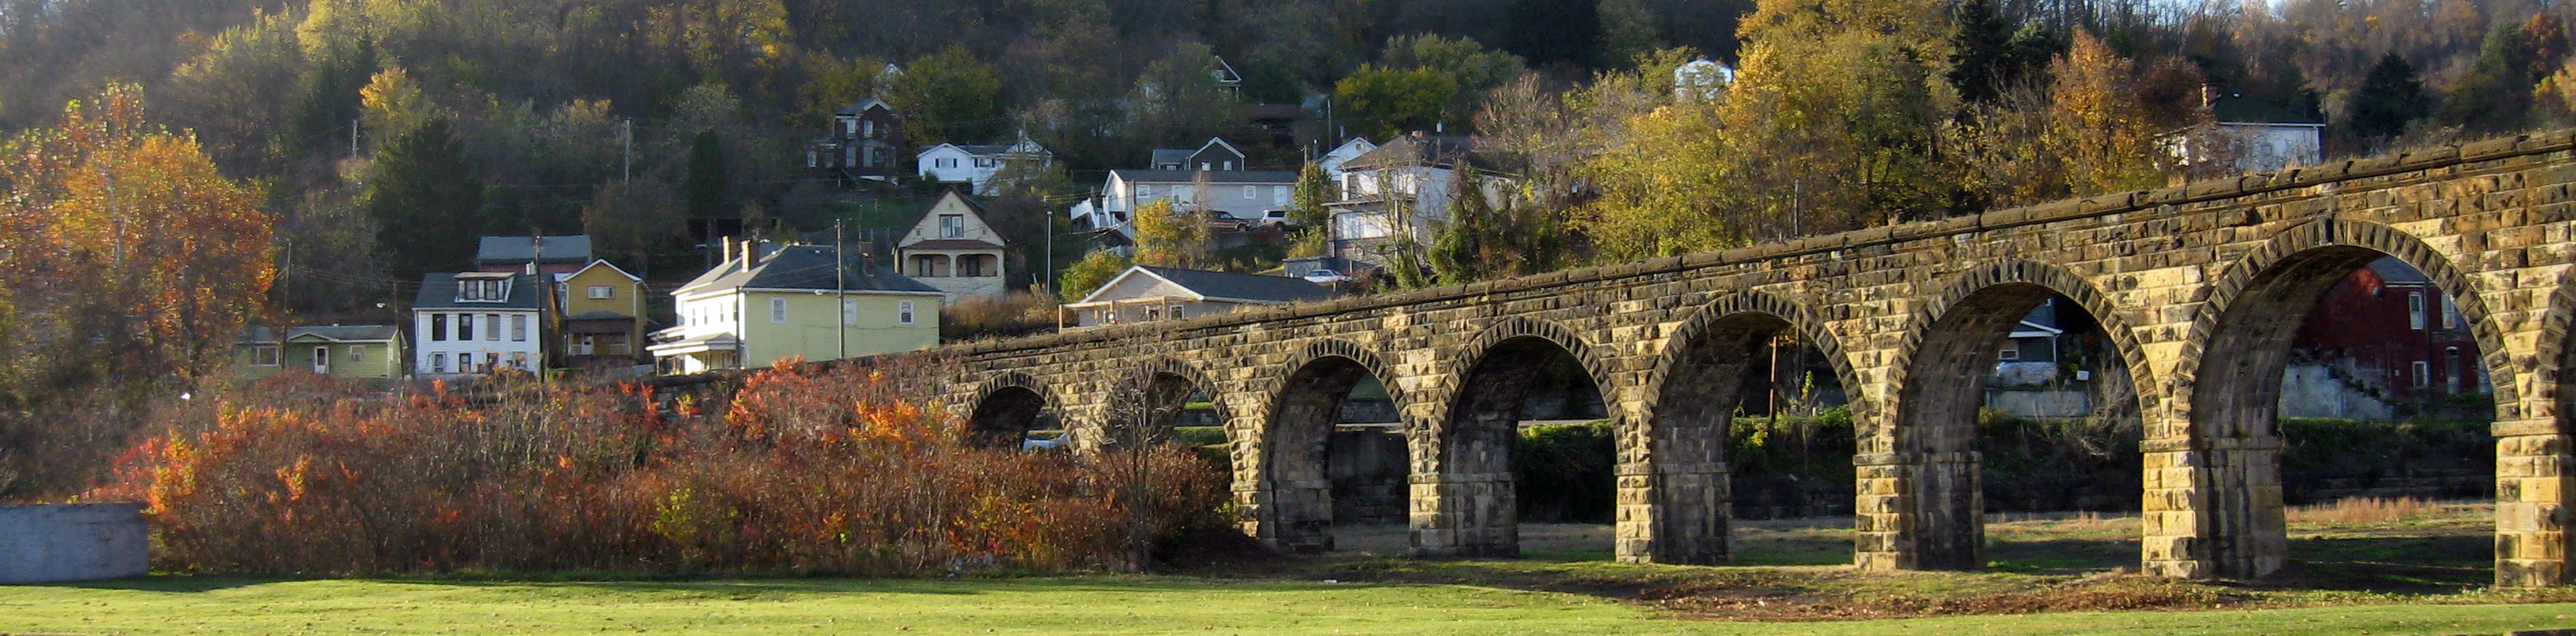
x: 1691, y: 397
x: 1478, y: 510
x: 1007, y: 407
x: 1928, y: 443
x: 2229, y: 380
x: 1296, y: 478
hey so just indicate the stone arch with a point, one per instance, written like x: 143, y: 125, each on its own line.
x: 1927, y: 440
x: 1006, y: 407
x: 1145, y: 403
x: 2227, y: 380
x: 1296, y: 502
x: 1690, y: 397
x: 1469, y: 437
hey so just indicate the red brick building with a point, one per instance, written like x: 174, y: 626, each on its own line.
x: 2386, y: 326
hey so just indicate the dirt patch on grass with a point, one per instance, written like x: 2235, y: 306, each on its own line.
x: 2090, y: 594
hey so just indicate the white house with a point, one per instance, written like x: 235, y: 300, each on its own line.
x: 1252, y: 196
x: 2249, y: 136
x: 1402, y: 188
x: 1216, y: 154
x: 1331, y: 162
x: 976, y: 164
x: 1702, y: 80
x: 951, y: 248
x: 476, y: 322
x: 1148, y: 294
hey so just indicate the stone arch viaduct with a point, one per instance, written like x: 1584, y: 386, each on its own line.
x: 2200, y: 289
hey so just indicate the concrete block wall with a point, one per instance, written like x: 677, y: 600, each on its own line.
x: 79, y: 542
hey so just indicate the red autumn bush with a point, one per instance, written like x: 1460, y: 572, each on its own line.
x: 797, y: 471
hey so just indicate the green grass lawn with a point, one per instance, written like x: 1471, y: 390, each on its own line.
x: 1070, y: 605
x: 2422, y: 573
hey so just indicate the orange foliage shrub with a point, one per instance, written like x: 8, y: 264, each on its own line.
x: 805, y: 471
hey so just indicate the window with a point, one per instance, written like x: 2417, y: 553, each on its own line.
x: 465, y: 326
x: 2450, y: 313
x: 492, y: 327
x: 1153, y: 314
x: 1175, y: 312
x: 438, y: 363
x: 903, y: 312
x: 871, y: 126
x: 778, y: 310
x: 849, y: 156
x: 357, y: 353
x: 952, y: 226
x: 1203, y: 165
x: 1248, y: 190
x: 812, y: 159
x: 1278, y: 195
x: 602, y: 292
x: 464, y: 363
x: 491, y: 359
x: 970, y: 265
x: 981, y: 162
x: 2011, y: 351
x: 2415, y: 310
x: 2423, y: 374
x: 438, y: 326
x: 519, y: 328
x: 849, y: 312
x: 518, y: 360
x: 265, y: 355
x: 946, y: 162
x: 1143, y: 190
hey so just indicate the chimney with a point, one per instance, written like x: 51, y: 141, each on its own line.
x: 1419, y: 134
x: 728, y: 249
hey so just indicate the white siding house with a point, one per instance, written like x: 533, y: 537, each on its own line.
x: 977, y: 165
x: 477, y: 322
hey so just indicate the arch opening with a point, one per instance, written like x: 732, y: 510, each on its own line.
x: 1337, y: 461
x: 1750, y: 423
x: 1527, y: 440
x: 2343, y: 390
x: 1153, y: 409
x: 1014, y: 417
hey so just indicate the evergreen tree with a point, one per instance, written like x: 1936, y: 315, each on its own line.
x: 2495, y: 93
x: 426, y: 197
x: 706, y: 186
x: 2389, y: 98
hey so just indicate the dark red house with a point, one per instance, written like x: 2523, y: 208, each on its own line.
x: 2388, y: 327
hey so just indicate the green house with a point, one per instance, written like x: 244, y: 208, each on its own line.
x: 358, y: 352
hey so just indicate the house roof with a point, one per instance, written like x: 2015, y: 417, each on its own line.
x: 1213, y: 176
x: 2397, y: 272
x: 1417, y: 150
x: 1171, y: 155
x: 600, y: 263
x: 803, y: 267
x: 1228, y: 286
x: 2239, y: 109
x: 863, y: 105
x: 501, y: 250
x: 347, y: 333
x: 438, y: 291
x: 953, y: 244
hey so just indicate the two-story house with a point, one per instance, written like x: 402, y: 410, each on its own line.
x: 763, y: 305
x: 356, y: 352
x: 1400, y: 190
x: 954, y: 250
x: 861, y: 144
x: 549, y: 254
x: 1249, y: 196
x: 977, y: 165
x: 1149, y: 294
x: 603, y: 317
x: 476, y: 322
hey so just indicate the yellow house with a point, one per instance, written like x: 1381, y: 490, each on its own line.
x: 765, y: 305
x: 358, y: 352
x: 603, y: 316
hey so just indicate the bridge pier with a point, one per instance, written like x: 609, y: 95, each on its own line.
x: 2533, y: 466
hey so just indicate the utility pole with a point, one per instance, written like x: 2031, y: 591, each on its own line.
x: 840, y: 291
x: 353, y: 137
x: 626, y: 138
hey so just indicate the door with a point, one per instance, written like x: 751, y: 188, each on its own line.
x: 321, y: 359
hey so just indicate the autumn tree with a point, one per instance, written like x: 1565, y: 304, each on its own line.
x: 1086, y: 276
x: 949, y: 96
x: 134, y: 266
x: 1169, y: 235
x: 1388, y: 102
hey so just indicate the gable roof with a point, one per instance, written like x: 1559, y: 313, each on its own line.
x: 1439, y: 151
x: 347, y: 333
x: 438, y: 291
x: 1214, y: 176
x: 863, y: 105
x: 602, y: 263
x: 508, y: 250
x: 803, y: 268
x: 924, y: 226
x: 1224, y: 286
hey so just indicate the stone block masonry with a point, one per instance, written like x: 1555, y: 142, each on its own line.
x: 2198, y: 287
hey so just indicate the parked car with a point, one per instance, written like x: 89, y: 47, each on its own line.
x: 1326, y: 276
